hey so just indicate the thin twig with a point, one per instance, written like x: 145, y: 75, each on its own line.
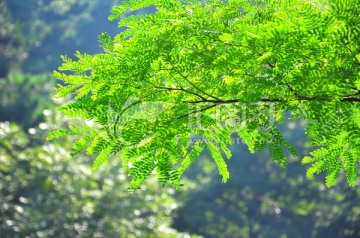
x: 196, y: 111
x: 181, y: 89
x: 187, y: 80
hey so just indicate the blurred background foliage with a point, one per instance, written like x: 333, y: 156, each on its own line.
x: 46, y: 193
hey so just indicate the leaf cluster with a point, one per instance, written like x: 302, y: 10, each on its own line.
x: 207, y: 69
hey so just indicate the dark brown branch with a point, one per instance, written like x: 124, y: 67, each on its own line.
x: 298, y: 98
x: 350, y: 99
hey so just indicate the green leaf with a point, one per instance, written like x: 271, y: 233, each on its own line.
x: 221, y: 164
x: 246, y: 138
x: 113, y: 17
x: 57, y: 134
x: 100, y: 159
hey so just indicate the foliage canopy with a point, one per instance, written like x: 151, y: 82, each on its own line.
x: 200, y: 71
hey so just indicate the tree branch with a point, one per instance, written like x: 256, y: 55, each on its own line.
x: 298, y: 98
